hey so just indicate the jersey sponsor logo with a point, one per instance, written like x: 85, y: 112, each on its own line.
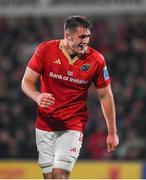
x: 57, y: 61
x: 67, y: 78
x: 69, y: 73
x: 85, y: 67
x: 105, y: 73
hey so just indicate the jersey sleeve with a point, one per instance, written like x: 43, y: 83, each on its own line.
x: 36, y: 61
x: 101, y: 78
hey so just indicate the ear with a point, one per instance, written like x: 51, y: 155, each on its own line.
x: 67, y: 35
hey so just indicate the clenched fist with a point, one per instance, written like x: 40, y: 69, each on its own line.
x: 44, y: 99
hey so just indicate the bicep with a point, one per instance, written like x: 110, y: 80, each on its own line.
x: 103, y: 92
x: 30, y: 75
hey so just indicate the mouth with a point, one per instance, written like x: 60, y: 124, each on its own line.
x: 83, y: 46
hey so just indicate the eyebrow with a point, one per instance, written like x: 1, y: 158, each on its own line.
x: 84, y: 36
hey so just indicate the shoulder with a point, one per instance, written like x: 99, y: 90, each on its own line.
x: 48, y: 44
x: 96, y: 56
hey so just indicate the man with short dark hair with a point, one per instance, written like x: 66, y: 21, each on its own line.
x: 66, y: 68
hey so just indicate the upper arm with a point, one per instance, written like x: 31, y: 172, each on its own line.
x: 36, y: 63
x: 101, y: 77
x: 103, y: 92
x: 30, y: 75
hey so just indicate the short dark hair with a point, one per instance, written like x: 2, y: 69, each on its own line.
x: 72, y: 22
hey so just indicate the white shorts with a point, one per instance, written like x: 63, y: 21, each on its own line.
x: 58, y: 149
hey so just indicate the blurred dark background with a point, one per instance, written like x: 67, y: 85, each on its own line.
x: 121, y: 39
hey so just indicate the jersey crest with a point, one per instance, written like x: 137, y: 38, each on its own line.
x: 85, y: 67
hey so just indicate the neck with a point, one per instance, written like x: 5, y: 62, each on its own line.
x: 67, y: 48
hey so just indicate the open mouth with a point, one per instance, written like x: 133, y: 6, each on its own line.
x: 83, y: 46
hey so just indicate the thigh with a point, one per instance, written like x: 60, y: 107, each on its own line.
x: 69, y: 143
x: 67, y: 148
x: 45, y: 145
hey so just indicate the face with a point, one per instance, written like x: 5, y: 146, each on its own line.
x: 78, y: 40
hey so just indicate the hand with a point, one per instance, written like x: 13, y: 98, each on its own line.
x: 112, y: 142
x: 44, y: 100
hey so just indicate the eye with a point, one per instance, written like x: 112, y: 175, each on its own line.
x: 84, y: 36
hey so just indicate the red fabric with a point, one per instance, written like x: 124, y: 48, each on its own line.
x: 68, y: 83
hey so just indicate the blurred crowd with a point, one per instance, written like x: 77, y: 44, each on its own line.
x: 122, y: 40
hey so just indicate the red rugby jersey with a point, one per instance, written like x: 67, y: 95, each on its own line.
x: 68, y: 80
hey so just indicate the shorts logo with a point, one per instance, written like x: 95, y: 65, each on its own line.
x: 85, y: 67
x: 81, y: 137
x: 73, y: 150
x: 105, y: 73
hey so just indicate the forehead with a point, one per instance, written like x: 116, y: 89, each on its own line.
x: 82, y: 30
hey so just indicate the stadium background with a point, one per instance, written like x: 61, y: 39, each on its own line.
x: 120, y: 34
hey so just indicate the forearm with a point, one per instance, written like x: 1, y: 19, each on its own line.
x: 108, y: 108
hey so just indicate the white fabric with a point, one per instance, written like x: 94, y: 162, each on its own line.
x: 64, y: 162
x: 58, y: 149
